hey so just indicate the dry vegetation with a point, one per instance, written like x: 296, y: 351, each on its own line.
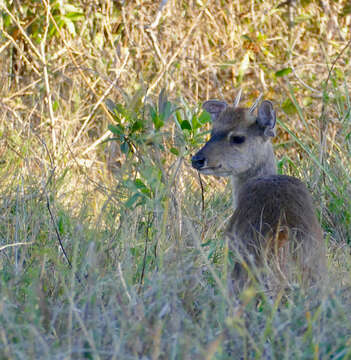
x: 144, y: 274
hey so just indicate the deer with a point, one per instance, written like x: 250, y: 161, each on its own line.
x: 274, y: 220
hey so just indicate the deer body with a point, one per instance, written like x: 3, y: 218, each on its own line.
x: 274, y: 216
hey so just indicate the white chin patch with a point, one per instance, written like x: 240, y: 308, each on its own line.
x: 207, y: 172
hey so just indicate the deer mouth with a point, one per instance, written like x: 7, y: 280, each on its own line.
x: 214, y: 170
x: 210, y: 168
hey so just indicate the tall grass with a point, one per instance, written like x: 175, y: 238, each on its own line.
x: 94, y: 161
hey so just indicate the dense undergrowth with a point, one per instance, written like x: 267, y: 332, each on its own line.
x: 107, y: 250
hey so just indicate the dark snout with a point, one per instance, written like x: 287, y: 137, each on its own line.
x: 198, y: 160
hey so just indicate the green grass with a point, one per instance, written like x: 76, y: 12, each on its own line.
x: 148, y: 276
x: 146, y: 269
x: 98, y: 309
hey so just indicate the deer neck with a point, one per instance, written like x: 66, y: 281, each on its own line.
x: 266, y: 167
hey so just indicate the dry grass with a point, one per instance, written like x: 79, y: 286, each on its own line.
x: 147, y: 279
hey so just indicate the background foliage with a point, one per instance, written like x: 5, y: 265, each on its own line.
x: 100, y: 112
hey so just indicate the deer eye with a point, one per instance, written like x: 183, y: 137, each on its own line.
x: 236, y: 139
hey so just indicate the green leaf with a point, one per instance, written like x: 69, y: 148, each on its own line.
x: 162, y: 100
x: 60, y: 22
x: 195, y: 123
x: 346, y: 10
x: 185, y: 125
x: 74, y: 16
x: 283, y: 72
x: 116, y: 129
x: 132, y: 200
x: 246, y: 37
x: 174, y: 151
x: 142, y: 188
x: 178, y: 117
x: 138, y: 125
x: 134, y: 251
x: 206, y: 243
x: 153, y: 114
x: 307, y: 101
x: 205, y: 117
x: 339, y: 74
x: 139, y: 184
x: 60, y: 225
x: 71, y: 8
x: 288, y: 107
x: 117, y: 110
x: 120, y: 109
x: 166, y: 112
x: 55, y: 105
x: 159, y: 124
x: 124, y: 147
x: 7, y: 20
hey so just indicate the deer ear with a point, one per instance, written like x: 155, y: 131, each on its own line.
x: 266, y: 118
x: 214, y: 108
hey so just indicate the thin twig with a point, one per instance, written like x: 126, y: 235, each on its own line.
x: 46, y: 76
x: 159, y: 13
x: 149, y: 30
x: 102, y: 98
x: 3, y: 47
x: 155, y: 45
x: 15, y: 244
x: 23, y: 32
x: 144, y: 264
x: 28, y: 62
x: 59, y: 237
x: 145, y: 254
x: 124, y: 282
x: 70, y: 53
x: 176, y: 53
x: 297, y: 37
x: 202, y: 194
x: 101, y: 139
x: 335, y: 61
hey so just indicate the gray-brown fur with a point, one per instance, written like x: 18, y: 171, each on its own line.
x: 274, y: 218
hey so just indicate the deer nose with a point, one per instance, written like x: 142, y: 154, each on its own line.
x: 198, y: 161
